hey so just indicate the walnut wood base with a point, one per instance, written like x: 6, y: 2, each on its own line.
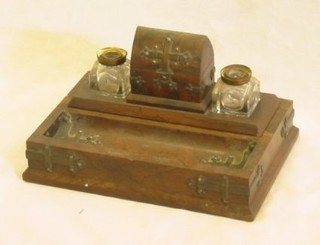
x: 164, y: 163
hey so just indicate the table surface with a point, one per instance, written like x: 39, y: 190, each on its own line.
x: 46, y: 47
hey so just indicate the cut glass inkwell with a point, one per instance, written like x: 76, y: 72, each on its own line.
x: 111, y: 73
x: 236, y: 92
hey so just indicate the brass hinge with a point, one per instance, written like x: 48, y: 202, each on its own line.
x: 50, y: 158
x: 203, y: 184
x: 287, y: 124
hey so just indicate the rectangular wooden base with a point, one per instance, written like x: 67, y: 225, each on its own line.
x: 165, y: 163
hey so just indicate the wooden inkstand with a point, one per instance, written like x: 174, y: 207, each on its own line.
x: 162, y: 143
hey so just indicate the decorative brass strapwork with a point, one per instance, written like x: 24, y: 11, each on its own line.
x: 203, y: 184
x: 288, y: 122
x: 64, y: 127
x: 166, y: 56
x: 258, y: 177
x: 50, y: 158
x: 231, y: 160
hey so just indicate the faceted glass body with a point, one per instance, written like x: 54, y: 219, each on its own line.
x: 236, y: 99
x: 111, y: 79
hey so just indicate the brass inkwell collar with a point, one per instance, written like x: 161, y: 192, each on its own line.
x: 236, y: 74
x: 111, y: 56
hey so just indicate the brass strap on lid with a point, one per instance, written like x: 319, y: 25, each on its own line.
x: 111, y: 56
x: 236, y: 74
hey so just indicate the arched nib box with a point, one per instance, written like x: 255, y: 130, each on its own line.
x: 169, y: 65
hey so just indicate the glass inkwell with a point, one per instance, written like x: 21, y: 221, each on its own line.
x: 110, y: 74
x: 236, y: 92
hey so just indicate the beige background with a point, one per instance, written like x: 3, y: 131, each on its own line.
x: 46, y: 46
